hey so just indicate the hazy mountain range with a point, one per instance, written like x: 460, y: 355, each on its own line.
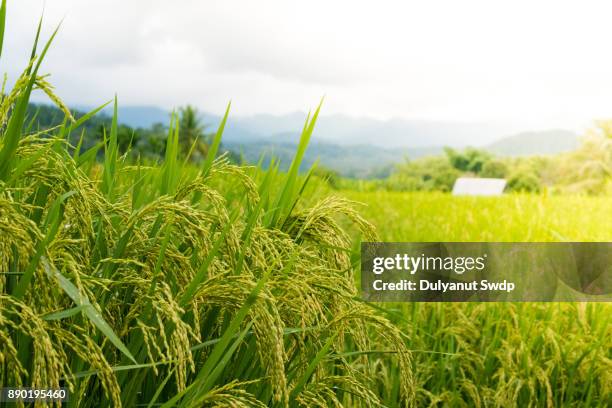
x: 530, y: 143
x: 363, y: 146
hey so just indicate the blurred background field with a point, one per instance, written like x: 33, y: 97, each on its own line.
x: 421, y: 216
x: 500, y: 354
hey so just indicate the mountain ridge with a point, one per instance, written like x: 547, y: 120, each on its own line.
x: 531, y: 143
x: 338, y: 128
x: 354, y: 146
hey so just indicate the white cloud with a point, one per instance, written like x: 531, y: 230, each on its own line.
x: 537, y: 62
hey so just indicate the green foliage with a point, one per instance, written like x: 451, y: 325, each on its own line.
x: 524, y: 181
x: 469, y: 160
x: 494, y: 169
x: 179, y: 285
x: 194, y: 141
x: 147, y: 143
x: 426, y: 174
x: 439, y: 173
x: 587, y: 170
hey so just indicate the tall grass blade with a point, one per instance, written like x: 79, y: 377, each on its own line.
x: 287, y: 197
x: 321, y: 354
x: 2, y: 24
x: 64, y: 313
x: 169, y: 171
x: 214, y: 147
x: 11, y: 136
x: 110, y: 158
x: 52, y: 224
x: 81, y: 300
x: 80, y: 121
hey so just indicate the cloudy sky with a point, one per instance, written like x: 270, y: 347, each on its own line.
x: 541, y: 63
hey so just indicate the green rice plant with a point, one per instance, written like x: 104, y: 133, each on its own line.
x: 166, y: 284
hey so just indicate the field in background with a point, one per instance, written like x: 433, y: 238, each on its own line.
x: 500, y: 354
x: 512, y: 217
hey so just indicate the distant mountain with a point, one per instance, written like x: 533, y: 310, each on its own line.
x: 358, y: 161
x: 345, y: 130
x: 394, y: 133
x: 141, y: 116
x: 535, y: 143
x: 359, y: 147
x: 134, y: 116
x: 337, y: 129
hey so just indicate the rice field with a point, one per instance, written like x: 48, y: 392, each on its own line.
x: 415, y: 217
x: 501, y: 354
x: 135, y: 283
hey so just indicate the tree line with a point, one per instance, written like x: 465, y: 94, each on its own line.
x: 148, y: 143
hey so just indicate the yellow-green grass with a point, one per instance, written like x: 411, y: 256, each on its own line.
x: 515, y: 217
x: 500, y: 354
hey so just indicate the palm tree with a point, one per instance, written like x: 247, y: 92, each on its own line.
x: 192, y: 133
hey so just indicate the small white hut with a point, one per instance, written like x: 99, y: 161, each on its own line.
x: 479, y: 186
